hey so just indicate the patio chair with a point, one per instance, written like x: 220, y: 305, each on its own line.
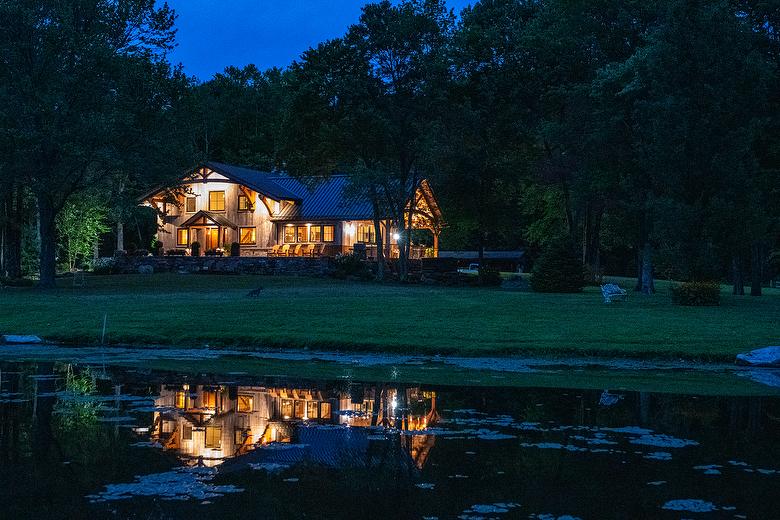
x: 308, y: 250
x: 274, y: 250
x: 611, y: 292
x: 297, y: 250
x: 285, y: 250
x: 317, y: 250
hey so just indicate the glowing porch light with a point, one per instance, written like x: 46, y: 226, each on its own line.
x: 396, y: 236
x: 350, y: 229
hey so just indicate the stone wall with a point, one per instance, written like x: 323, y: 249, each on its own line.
x: 296, y: 266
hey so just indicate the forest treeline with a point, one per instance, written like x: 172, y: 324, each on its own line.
x: 643, y: 132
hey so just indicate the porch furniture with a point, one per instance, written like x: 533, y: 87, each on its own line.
x: 318, y: 250
x: 308, y: 250
x: 297, y: 250
x: 274, y: 251
x: 611, y: 292
x: 285, y: 251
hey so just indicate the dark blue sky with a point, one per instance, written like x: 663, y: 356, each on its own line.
x: 213, y: 34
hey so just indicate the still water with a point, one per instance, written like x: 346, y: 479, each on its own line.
x: 77, y: 442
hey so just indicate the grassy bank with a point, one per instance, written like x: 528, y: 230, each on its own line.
x: 198, y: 310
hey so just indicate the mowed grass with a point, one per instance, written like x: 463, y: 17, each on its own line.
x: 199, y: 310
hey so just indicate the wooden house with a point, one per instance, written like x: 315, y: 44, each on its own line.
x: 278, y: 215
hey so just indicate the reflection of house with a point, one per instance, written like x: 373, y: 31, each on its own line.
x: 208, y: 424
x: 272, y: 213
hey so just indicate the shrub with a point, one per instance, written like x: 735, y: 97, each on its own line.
x: 489, y: 277
x: 696, y: 294
x: 176, y: 252
x: 156, y: 247
x: 104, y: 266
x: 235, y: 249
x: 558, y: 270
x: 349, y: 264
x: 195, y: 247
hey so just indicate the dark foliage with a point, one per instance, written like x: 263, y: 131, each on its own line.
x: 696, y: 294
x: 558, y: 270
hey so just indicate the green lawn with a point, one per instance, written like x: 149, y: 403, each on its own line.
x: 198, y: 310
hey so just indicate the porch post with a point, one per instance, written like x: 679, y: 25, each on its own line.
x: 435, y: 244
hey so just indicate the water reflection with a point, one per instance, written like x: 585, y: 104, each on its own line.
x: 77, y: 442
x: 207, y: 424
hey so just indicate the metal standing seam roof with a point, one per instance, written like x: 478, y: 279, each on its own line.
x: 261, y: 182
x: 322, y: 199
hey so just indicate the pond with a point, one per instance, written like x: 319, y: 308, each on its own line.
x: 110, y: 442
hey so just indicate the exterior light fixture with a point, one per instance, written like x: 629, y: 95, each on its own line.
x: 396, y: 236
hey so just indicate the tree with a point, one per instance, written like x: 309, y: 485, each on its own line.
x: 365, y: 103
x: 80, y: 224
x: 85, y: 94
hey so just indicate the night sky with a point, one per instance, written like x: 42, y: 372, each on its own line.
x: 213, y: 34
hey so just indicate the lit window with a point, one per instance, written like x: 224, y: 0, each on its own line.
x: 327, y: 233
x: 179, y: 403
x: 244, y: 204
x: 289, y: 234
x: 286, y: 408
x: 189, y: 205
x: 303, y: 234
x: 315, y: 234
x: 248, y: 235
x: 213, y: 437
x: 209, y: 399
x: 216, y: 201
x: 299, y: 406
x: 244, y: 403
x: 365, y: 233
x: 182, y: 237
x: 312, y: 410
x: 325, y: 410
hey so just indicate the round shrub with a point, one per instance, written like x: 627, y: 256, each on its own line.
x: 696, y: 294
x: 235, y: 249
x: 195, y: 248
x: 558, y: 270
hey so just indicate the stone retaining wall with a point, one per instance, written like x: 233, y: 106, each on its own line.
x: 296, y: 266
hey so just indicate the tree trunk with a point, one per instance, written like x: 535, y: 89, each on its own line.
x: 380, y: 248
x: 591, y: 242
x: 120, y: 236
x: 737, y: 278
x: 48, y: 233
x: 648, y: 283
x: 756, y: 268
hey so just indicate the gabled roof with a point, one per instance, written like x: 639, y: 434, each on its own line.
x: 322, y: 198
x: 258, y: 181
x: 215, y: 218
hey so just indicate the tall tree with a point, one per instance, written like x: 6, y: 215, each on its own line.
x: 83, y: 96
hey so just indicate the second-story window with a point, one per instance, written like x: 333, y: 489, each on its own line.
x: 189, y: 204
x: 216, y: 201
x: 244, y: 204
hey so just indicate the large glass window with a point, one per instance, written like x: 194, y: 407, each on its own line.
x: 182, y: 237
x: 286, y: 408
x: 327, y: 233
x: 299, y: 409
x: 245, y: 403
x: 312, y: 410
x: 248, y: 235
x: 365, y: 233
x: 216, y: 201
x: 303, y: 234
x: 315, y: 234
x: 289, y: 234
x: 189, y: 204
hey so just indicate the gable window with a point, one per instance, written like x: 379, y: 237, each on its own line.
x: 365, y: 233
x: 216, y: 201
x: 182, y: 237
x: 303, y: 234
x: 315, y: 234
x: 327, y: 233
x: 244, y: 204
x: 244, y: 403
x: 189, y: 204
x: 289, y: 234
x: 247, y: 235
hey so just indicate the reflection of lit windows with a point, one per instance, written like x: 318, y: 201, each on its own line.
x: 186, y: 432
x: 213, y: 437
x: 179, y: 402
x: 244, y: 403
x: 312, y: 410
x: 325, y: 410
x: 286, y: 408
x: 299, y: 407
x: 209, y: 399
